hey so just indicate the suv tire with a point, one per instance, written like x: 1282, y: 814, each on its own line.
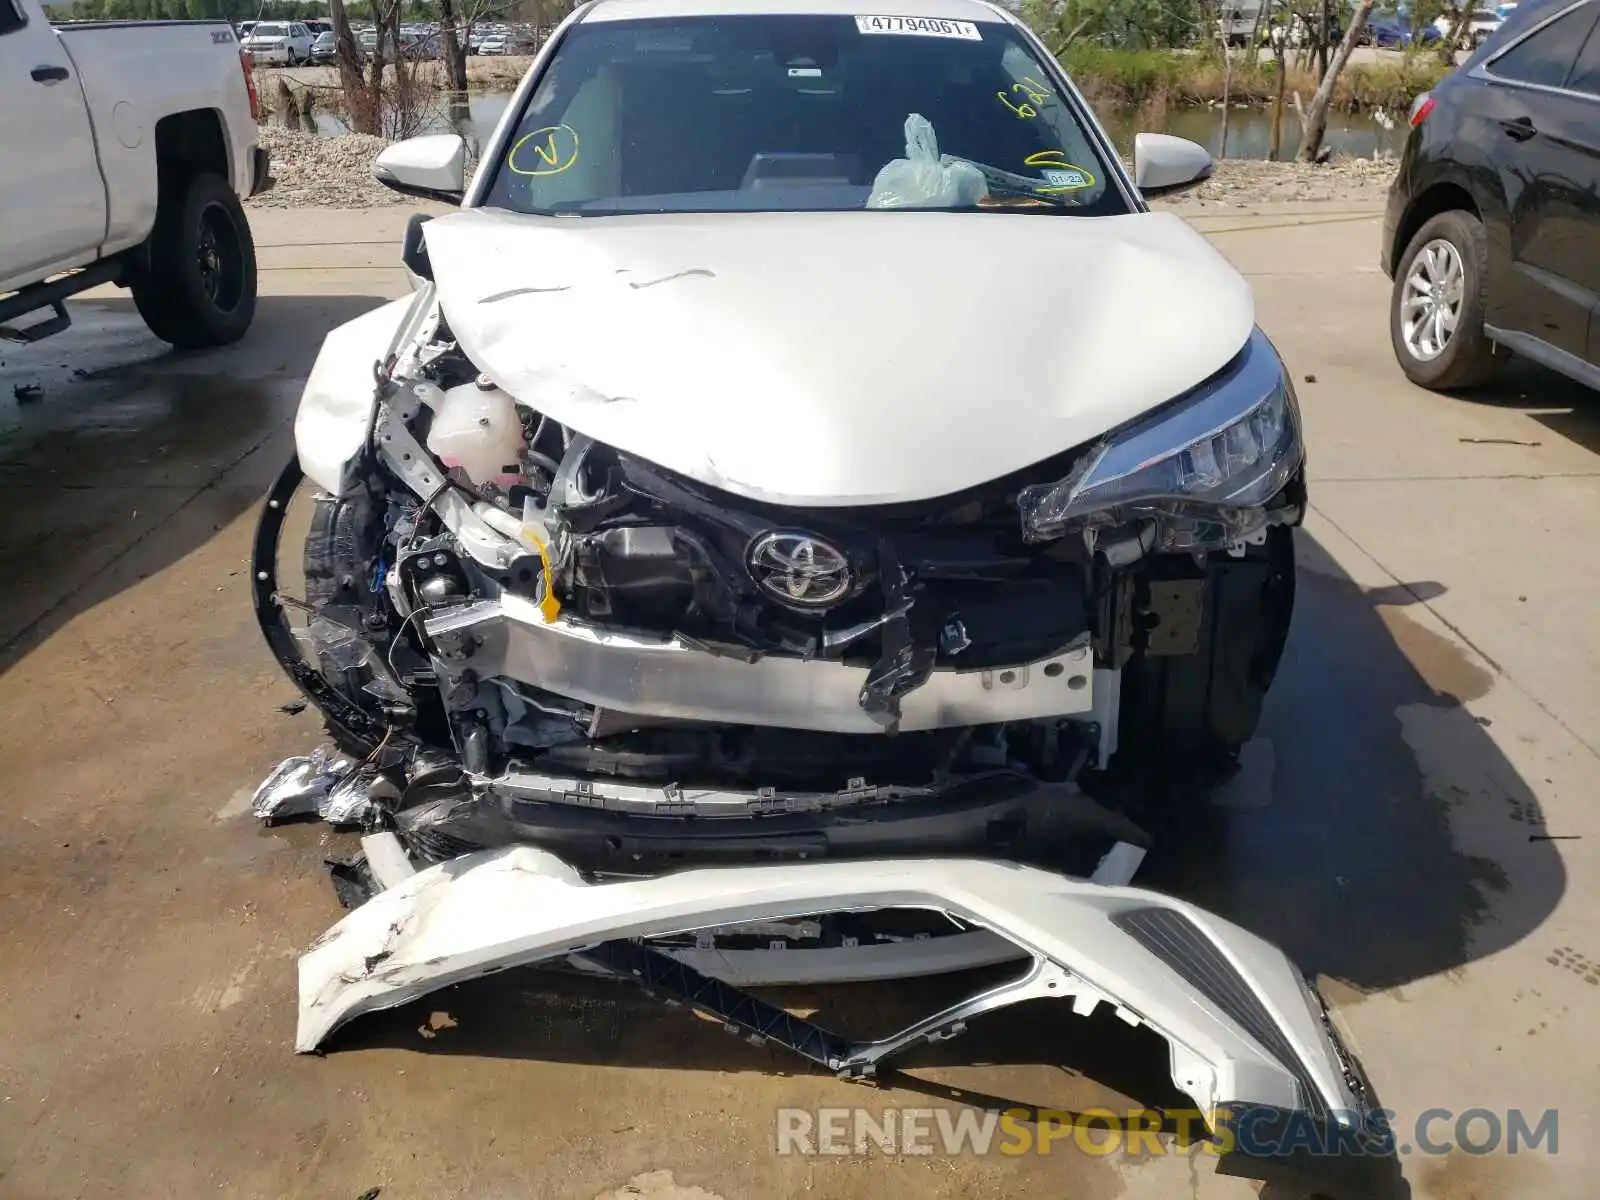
x: 197, y: 286
x: 1468, y: 358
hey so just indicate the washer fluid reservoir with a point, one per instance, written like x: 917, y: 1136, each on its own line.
x: 478, y: 430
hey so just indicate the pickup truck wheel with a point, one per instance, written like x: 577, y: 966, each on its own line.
x: 199, y: 287
x: 1185, y: 717
x: 1436, y: 307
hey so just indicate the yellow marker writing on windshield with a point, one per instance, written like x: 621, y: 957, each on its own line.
x: 555, y: 148
x: 1022, y: 110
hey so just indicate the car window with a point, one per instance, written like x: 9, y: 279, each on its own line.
x: 1585, y: 76
x: 1546, y: 56
x: 269, y: 30
x: 10, y: 17
x: 789, y: 112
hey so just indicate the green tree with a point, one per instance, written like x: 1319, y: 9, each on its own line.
x: 1121, y: 24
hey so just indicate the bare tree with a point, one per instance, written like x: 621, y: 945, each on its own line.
x: 1460, y: 18
x: 360, y: 113
x: 1316, y: 121
x: 1279, y: 50
x: 1223, y: 27
x: 451, y: 49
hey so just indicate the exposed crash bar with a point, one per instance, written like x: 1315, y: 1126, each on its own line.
x: 671, y: 678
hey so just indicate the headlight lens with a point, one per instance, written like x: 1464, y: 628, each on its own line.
x: 1203, y: 468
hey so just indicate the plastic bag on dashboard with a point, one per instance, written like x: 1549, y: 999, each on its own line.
x: 921, y: 179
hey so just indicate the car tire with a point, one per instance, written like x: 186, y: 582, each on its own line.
x: 197, y: 284
x: 1184, y: 718
x: 1469, y: 359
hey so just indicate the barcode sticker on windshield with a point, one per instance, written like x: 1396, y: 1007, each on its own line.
x: 920, y: 27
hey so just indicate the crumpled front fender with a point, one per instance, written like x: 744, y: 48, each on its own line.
x: 1243, y: 1027
x: 335, y: 413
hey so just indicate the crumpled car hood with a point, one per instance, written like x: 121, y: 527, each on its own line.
x: 839, y: 358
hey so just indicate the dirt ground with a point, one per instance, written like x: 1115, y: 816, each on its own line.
x: 1414, y: 824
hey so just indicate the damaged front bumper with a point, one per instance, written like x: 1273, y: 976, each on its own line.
x: 613, y: 826
x: 1246, y: 1033
x: 667, y: 677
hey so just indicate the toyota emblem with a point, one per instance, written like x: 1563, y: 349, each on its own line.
x: 800, y: 570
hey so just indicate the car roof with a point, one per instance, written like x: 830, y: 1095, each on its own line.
x: 632, y: 10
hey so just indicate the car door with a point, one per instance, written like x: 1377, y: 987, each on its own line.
x: 1543, y: 139
x: 1584, y: 83
x: 300, y: 36
x: 51, y: 195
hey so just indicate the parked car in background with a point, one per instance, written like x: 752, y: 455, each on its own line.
x: 326, y: 49
x: 1492, y: 233
x: 1395, y: 33
x: 1239, y: 22
x: 136, y: 141
x: 318, y: 26
x: 419, y: 46
x: 278, y: 43
x: 1479, y: 26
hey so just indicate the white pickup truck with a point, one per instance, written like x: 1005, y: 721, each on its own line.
x: 127, y: 148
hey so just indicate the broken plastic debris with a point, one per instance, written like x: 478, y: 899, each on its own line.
x: 352, y: 879
x: 298, y: 785
x: 352, y: 799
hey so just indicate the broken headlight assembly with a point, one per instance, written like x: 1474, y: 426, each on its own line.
x: 1207, y: 470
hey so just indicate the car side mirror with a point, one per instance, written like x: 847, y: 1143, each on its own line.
x: 432, y: 167
x: 1163, y: 163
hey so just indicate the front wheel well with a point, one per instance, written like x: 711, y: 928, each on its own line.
x: 1442, y: 197
x: 192, y: 142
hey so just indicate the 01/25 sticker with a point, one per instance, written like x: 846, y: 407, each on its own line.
x: 920, y: 27
x: 1060, y: 175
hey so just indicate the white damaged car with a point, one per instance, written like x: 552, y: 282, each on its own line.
x: 803, y: 444
x: 806, y: 424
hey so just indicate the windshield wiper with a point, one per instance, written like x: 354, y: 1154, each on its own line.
x: 1009, y: 183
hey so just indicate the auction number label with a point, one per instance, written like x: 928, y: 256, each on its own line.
x: 920, y: 27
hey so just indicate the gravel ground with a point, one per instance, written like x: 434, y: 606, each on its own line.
x: 323, y: 172
x: 1241, y: 183
x: 336, y: 172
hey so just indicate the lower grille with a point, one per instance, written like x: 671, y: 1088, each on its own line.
x: 1184, y: 946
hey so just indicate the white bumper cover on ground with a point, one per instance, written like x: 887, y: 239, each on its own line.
x: 1242, y: 1026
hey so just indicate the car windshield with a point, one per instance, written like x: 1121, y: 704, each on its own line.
x: 270, y: 30
x: 326, y: 39
x: 786, y: 113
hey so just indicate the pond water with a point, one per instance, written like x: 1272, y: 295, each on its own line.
x: 1249, y: 129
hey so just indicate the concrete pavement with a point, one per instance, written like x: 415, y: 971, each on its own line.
x: 1413, y: 824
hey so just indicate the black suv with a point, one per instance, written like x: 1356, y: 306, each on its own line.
x: 1492, y: 234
